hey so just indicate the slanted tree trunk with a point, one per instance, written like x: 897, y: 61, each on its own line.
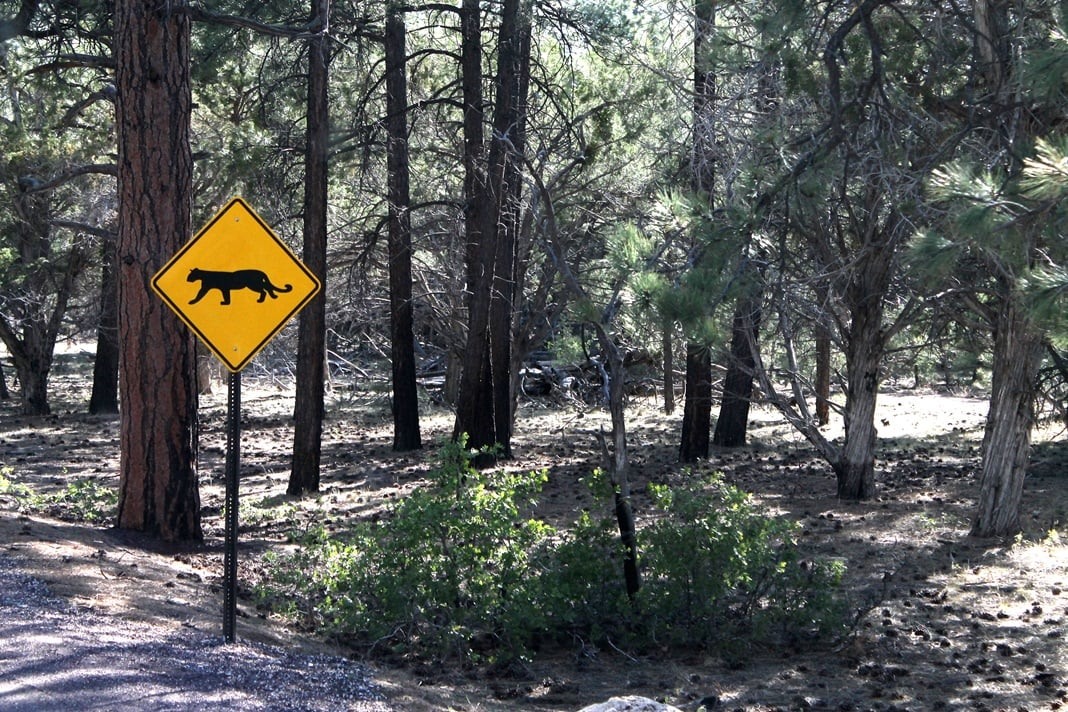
x: 35, y: 298
x: 158, y: 488
x: 697, y: 407
x: 1007, y: 439
x: 405, y: 392
x: 105, y: 395
x: 309, y: 407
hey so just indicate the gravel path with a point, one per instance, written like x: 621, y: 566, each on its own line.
x: 55, y: 657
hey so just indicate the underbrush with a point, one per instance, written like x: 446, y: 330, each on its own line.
x: 83, y: 500
x: 462, y: 569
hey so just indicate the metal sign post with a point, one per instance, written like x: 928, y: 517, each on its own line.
x: 235, y: 284
x: 233, y: 464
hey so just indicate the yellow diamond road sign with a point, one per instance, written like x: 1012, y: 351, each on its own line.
x: 236, y: 284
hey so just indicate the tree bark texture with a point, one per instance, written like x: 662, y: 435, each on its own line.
x: 823, y: 375
x: 697, y: 406
x: 1007, y: 439
x: 105, y: 395
x: 157, y: 370
x: 405, y: 392
x: 733, y: 421
x: 667, y: 349
x: 484, y: 407
x: 865, y: 343
x: 309, y: 408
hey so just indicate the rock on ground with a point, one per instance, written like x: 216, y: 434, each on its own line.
x: 630, y: 703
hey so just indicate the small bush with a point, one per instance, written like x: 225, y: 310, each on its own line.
x: 447, y: 574
x: 83, y: 500
x: 719, y: 569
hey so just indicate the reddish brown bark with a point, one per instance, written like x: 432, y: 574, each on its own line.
x: 157, y: 373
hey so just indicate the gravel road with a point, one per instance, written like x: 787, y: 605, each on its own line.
x: 56, y: 657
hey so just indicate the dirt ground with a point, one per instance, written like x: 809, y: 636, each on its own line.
x: 944, y: 622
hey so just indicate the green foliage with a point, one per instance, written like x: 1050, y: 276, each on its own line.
x: 83, y: 500
x: 447, y: 574
x: 460, y: 571
x: 720, y: 569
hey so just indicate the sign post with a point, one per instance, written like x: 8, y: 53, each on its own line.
x: 235, y: 284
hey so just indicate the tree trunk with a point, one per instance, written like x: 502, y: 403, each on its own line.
x: 668, y: 351
x: 823, y: 375
x: 697, y: 407
x: 484, y: 406
x: 617, y: 462
x: 405, y: 392
x: 855, y: 464
x: 105, y: 394
x: 157, y: 367
x: 1007, y: 439
x: 474, y: 139
x: 309, y: 408
x: 733, y: 421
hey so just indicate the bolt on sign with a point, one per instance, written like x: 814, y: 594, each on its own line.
x: 236, y: 284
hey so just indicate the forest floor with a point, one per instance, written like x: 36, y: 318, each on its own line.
x: 944, y: 622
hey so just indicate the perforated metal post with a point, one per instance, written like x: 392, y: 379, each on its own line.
x: 233, y: 460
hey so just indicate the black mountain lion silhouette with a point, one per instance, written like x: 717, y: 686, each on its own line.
x: 226, y: 282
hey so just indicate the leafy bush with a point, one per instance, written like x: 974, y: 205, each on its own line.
x: 720, y: 569
x: 447, y: 573
x: 459, y: 570
x: 83, y: 500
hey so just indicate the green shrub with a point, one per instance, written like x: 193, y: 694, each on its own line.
x: 83, y: 500
x: 718, y: 569
x: 460, y: 570
x: 447, y: 574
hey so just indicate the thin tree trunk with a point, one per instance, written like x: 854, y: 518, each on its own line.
x: 1007, y: 439
x: 309, y: 406
x: 733, y: 421
x: 667, y: 349
x: 823, y: 375
x: 697, y: 407
x: 158, y: 488
x: 618, y: 465
x: 405, y: 393
x: 855, y: 465
x: 105, y: 395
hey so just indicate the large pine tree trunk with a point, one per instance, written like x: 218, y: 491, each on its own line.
x: 1007, y: 440
x: 157, y: 374
x: 309, y: 406
x: 405, y: 392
